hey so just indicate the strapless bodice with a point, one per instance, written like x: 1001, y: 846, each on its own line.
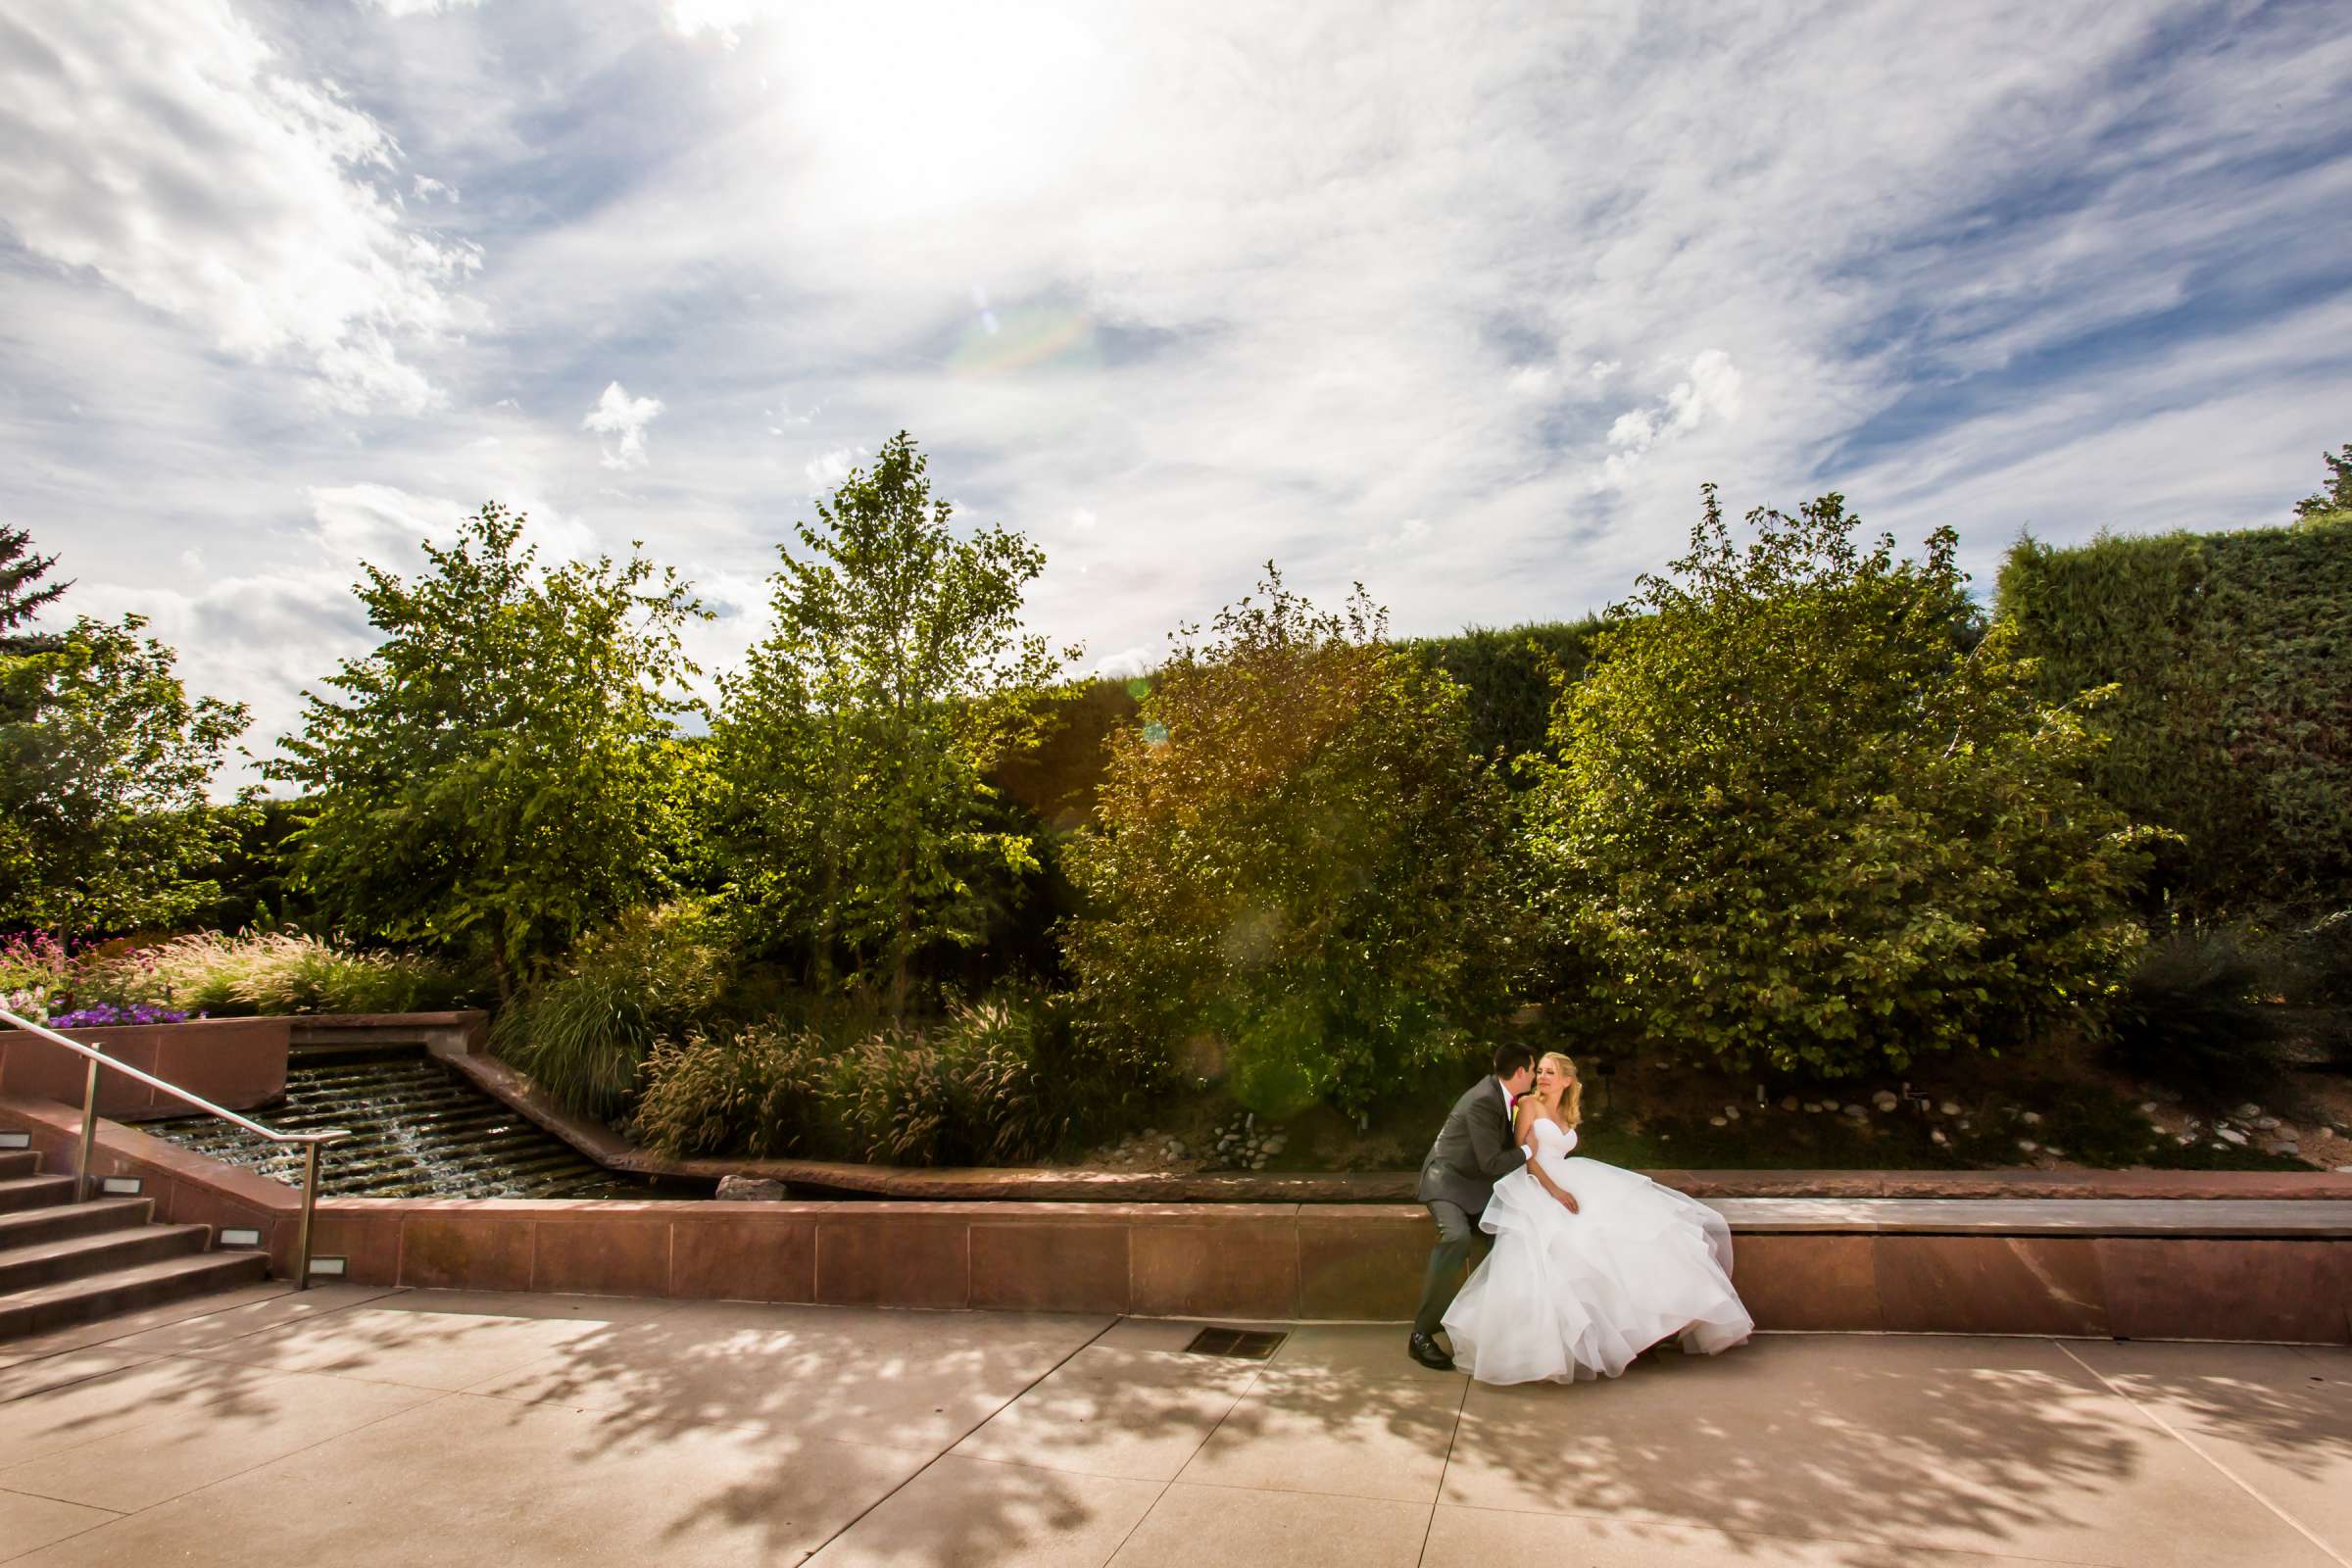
x: 1553, y: 1141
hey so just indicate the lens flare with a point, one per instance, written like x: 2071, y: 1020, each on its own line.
x: 1026, y: 338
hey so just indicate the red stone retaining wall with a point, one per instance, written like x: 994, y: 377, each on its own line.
x: 2148, y: 1280
x: 237, y: 1063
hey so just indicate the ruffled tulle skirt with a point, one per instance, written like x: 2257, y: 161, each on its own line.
x: 1571, y: 1297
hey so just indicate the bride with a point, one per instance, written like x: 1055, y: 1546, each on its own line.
x: 1577, y: 1286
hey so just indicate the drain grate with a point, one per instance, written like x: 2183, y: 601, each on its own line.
x: 1250, y: 1345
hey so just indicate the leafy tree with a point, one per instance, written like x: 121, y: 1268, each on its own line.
x: 1301, y: 864
x: 2338, y: 496
x: 1792, y: 822
x: 493, y: 775
x: 852, y: 753
x: 104, y: 761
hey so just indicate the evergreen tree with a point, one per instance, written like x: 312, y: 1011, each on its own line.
x: 22, y: 593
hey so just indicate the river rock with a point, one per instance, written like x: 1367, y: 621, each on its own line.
x: 2230, y: 1135
x: 1950, y: 1108
x: 1788, y: 1101
x: 1885, y: 1100
x: 2027, y: 1146
x: 2266, y: 1125
x: 2247, y: 1110
x: 1857, y: 1113
x: 1717, y: 1122
x: 751, y: 1190
x: 2031, y: 1118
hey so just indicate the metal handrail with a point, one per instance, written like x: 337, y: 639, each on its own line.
x: 312, y: 1142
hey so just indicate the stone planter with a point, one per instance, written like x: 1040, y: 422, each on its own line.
x: 237, y: 1063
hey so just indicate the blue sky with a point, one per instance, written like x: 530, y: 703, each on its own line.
x: 1463, y: 300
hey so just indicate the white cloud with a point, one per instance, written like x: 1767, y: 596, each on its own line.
x: 826, y: 473
x: 164, y: 146
x: 1264, y: 279
x: 722, y: 20
x: 1710, y: 391
x: 623, y: 418
x: 1713, y: 389
x: 419, y: 8
x: 1082, y: 520
x: 1125, y: 664
x: 1634, y: 430
x: 377, y: 523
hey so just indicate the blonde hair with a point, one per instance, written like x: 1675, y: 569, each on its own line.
x: 1572, y: 1097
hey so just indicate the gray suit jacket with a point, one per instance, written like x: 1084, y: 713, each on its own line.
x: 1474, y: 1151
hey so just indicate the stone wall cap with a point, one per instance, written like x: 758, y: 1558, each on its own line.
x: 382, y: 1020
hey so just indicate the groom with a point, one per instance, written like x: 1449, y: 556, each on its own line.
x: 1474, y: 1151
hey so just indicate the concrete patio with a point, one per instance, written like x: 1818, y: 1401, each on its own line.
x: 357, y: 1425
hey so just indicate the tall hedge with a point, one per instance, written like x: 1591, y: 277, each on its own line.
x: 1508, y: 676
x: 2233, y: 724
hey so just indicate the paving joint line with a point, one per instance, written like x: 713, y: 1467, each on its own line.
x: 1255, y: 1373
x: 2168, y: 1428
x: 1869, y: 1542
x: 1444, y: 1469
x: 129, y: 1333
x: 122, y: 1514
x: 99, y: 1346
x: 948, y: 1447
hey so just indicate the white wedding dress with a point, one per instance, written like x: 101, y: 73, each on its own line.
x: 1571, y: 1297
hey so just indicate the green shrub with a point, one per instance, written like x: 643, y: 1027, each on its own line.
x: 268, y: 973
x: 970, y: 1090
x: 1005, y: 1081
x: 584, y: 1033
x: 2196, y: 1016
x: 756, y: 1091
x: 2318, y: 985
x: 1028, y: 1074
x: 887, y: 1103
x: 1794, y: 823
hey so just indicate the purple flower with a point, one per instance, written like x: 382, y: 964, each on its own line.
x: 105, y: 1015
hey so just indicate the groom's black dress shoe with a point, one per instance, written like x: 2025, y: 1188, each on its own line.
x: 1428, y: 1354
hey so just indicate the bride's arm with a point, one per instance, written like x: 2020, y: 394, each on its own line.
x: 1525, y: 1132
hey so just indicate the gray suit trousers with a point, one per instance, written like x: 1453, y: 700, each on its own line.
x: 1455, y: 1231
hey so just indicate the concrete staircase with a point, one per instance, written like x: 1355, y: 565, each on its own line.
x: 63, y: 1264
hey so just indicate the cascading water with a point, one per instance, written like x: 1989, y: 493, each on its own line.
x: 417, y: 1131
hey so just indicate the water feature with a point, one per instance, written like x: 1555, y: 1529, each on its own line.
x: 417, y: 1131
